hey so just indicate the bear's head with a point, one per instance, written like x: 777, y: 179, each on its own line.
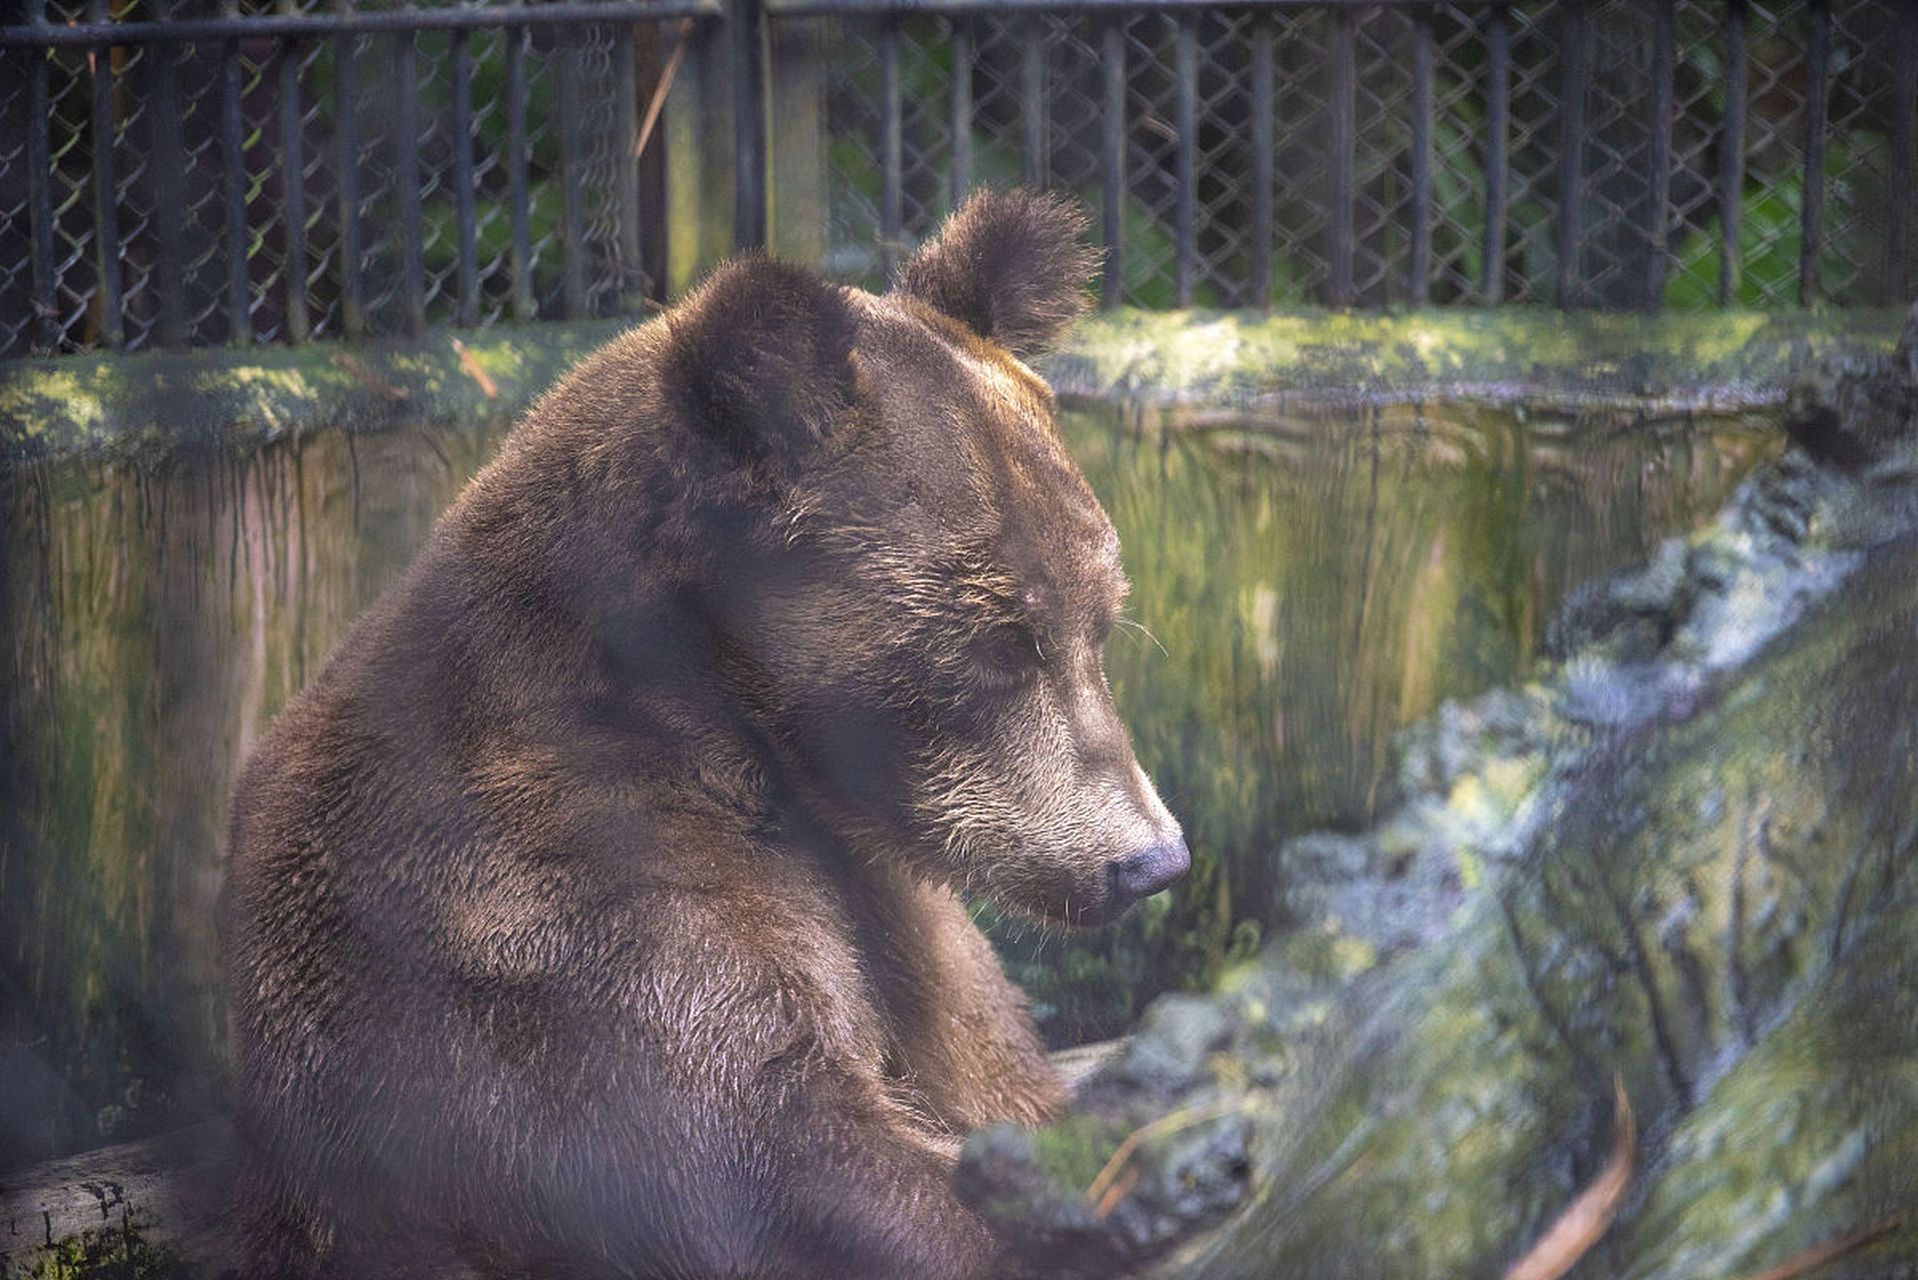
x: 917, y: 615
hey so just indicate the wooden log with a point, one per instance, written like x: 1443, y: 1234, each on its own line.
x: 170, y: 1190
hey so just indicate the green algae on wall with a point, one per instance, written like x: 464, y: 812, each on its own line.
x: 1716, y: 361
x: 149, y: 402
x: 1513, y: 356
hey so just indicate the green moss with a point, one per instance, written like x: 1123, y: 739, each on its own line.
x: 123, y: 1252
x: 1073, y: 1151
x: 154, y: 400
x: 1512, y: 355
x: 149, y: 402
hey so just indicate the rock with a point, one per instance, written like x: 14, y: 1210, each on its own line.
x: 1687, y: 856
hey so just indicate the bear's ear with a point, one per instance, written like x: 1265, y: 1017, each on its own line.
x: 759, y: 356
x: 1012, y: 267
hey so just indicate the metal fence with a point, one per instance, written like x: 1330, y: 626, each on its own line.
x: 272, y: 170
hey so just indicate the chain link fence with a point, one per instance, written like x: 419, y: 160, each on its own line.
x: 270, y: 172
x: 1692, y: 154
x: 170, y: 177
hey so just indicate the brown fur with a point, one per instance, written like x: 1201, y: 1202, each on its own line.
x: 597, y: 911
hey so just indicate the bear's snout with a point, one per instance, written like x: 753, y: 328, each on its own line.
x: 1144, y: 873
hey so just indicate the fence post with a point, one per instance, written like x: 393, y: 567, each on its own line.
x: 1571, y: 155
x: 961, y: 108
x: 796, y: 202
x: 1658, y: 195
x: 293, y: 182
x: 40, y: 184
x: 406, y: 176
x: 1498, y: 105
x: 572, y: 175
x: 695, y: 132
x: 1817, y: 106
x: 891, y: 145
x: 106, y: 190
x: 1896, y: 289
x: 1035, y: 169
x: 1731, y: 175
x: 630, y: 274
x: 1419, y: 287
x: 233, y: 189
x: 1342, y: 132
x: 346, y: 142
x: 1185, y: 217
x: 519, y: 197
x: 745, y: 41
x: 164, y: 116
x: 465, y: 216
x: 1112, y: 158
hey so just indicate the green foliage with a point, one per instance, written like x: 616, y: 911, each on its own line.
x: 1771, y: 227
x: 1769, y: 220
x: 123, y: 1252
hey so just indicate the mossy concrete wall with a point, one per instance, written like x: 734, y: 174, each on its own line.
x: 158, y: 400
x: 1532, y: 356
x: 153, y: 401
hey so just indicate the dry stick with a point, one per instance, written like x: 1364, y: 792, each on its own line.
x: 1121, y: 1188
x: 653, y: 108
x: 1818, y: 1255
x: 1102, y: 1185
x: 1586, y: 1219
x: 471, y: 368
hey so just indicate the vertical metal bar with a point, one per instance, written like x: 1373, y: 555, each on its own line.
x: 1571, y: 152
x: 961, y: 107
x: 1904, y: 119
x: 1112, y: 159
x: 1344, y: 110
x: 1658, y: 196
x: 169, y: 165
x: 1731, y: 175
x: 239, y: 291
x: 745, y: 21
x: 1420, y: 267
x: 525, y: 306
x: 293, y: 185
x: 1264, y: 144
x: 891, y: 147
x: 106, y: 191
x: 40, y: 186
x: 406, y: 124
x: 1498, y: 111
x: 572, y: 178
x: 632, y: 274
x: 1032, y: 103
x: 346, y: 101
x: 466, y: 309
x: 1186, y: 221
x: 1811, y: 242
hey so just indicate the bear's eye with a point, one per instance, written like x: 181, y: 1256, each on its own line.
x: 1005, y: 655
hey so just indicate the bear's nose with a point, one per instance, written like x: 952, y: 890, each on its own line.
x: 1146, y: 872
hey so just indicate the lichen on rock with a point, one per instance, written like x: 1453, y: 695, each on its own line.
x: 1681, y: 857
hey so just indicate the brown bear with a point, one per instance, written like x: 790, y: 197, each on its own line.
x: 600, y: 909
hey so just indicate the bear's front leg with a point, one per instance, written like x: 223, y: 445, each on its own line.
x: 961, y: 1036
x: 810, y: 1173
x: 867, y: 1194
x: 724, y: 1108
